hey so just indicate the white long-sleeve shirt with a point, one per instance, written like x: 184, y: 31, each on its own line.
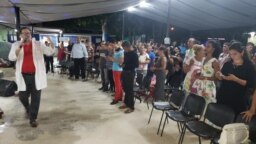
x: 38, y: 51
x: 79, y: 51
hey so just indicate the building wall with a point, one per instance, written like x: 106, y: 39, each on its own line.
x: 3, y: 33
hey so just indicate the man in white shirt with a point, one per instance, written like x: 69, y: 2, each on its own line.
x: 143, y: 65
x: 79, y: 54
x: 30, y: 71
x: 189, y: 53
x: 224, y: 56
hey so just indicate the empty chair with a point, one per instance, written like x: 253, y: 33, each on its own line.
x: 193, y: 107
x: 217, y: 114
x: 174, y: 103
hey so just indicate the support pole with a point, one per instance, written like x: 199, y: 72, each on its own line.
x: 17, y: 21
x: 123, y: 26
x: 168, y: 19
x: 32, y: 30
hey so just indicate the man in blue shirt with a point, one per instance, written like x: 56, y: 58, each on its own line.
x: 79, y: 54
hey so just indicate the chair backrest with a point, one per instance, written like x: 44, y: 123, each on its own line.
x: 177, y: 97
x: 219, y: 114
x: 194, y: 105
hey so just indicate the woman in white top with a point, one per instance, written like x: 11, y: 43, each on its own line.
x: 194, y: 67
x: 204, y: 85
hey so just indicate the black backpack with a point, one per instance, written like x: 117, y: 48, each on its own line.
x: 7, y: 88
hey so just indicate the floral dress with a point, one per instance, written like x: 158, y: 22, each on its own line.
x: 206, y: 88
x: 190, y: 77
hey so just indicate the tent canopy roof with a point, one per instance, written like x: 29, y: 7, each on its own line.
x: 188, y: 14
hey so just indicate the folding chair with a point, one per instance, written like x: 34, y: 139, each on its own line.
x: 217, y: 114
x: 175, y: 101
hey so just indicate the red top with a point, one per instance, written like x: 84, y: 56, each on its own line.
x: 28, y: 63
x: 61, y: 54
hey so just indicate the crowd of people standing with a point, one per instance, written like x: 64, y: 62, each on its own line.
x: 221, y: 75
x: 216, y: 73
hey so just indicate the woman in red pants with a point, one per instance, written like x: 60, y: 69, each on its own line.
x: 118, y: 59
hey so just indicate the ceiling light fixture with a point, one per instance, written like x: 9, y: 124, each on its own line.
x: 130, y: 9
x: 143, y: 4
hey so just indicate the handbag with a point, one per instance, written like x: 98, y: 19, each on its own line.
x: 235, y: 133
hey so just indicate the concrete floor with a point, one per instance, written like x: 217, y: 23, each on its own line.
x: 75, y: 112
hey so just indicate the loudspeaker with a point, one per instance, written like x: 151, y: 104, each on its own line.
x: 7, y: 88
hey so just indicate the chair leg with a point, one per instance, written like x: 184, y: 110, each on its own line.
x: 199, y: 140
x: 147, y: 105
x: 160, y: 122
x: 166, y: 119
x: 183, y: 131
x: 179, y: 128
x: 150, y: 115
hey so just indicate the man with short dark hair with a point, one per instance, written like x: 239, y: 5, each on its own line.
x: 30, y: 71
x: 131, y: 62
x: 103, y: 67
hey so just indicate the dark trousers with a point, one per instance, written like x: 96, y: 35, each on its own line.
x: 32, y: 107
x: 79, y: 67
x: 147, y: 80
x: 111, y: 79
x: 49, y: 63
x: 127, y: 83
x: 104, y: 77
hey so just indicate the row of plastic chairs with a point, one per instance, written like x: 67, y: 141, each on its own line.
x: 188, y: 115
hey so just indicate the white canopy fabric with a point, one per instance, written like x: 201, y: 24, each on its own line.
x: 188, y: 14
x: 202, y: 14
x: 36, y: 11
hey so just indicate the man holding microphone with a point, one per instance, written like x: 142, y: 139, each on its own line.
x: 30, y: 71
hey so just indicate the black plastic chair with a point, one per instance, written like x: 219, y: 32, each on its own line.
x: 194, y: 106
x: 136, y: 91
x: 175, y: 101
x: 217, y: 114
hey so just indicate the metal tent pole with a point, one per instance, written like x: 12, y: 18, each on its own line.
x: 168, y: 19
x: 123, y: 26
x: 17, y: 21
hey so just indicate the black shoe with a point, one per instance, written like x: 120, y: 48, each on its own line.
x: 113, y: 102
x: 33, y: 123
x: 101, y: 88
x: 84, y: 80
x: 129, y: 110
